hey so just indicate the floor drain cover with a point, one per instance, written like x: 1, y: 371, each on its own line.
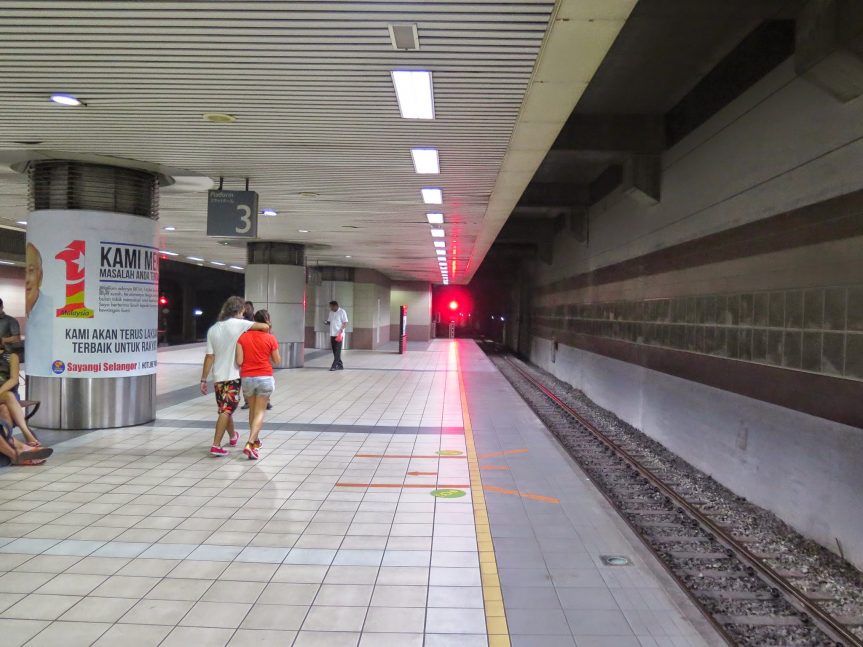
x: 615, y: 560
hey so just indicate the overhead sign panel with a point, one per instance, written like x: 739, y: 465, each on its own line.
x: 232, y: 214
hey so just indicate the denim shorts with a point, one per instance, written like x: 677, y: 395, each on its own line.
x: 258, y: 386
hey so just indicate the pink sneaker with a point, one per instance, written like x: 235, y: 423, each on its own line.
x: 235, y: 438
x: 251, y: 451
x: 218, y: 451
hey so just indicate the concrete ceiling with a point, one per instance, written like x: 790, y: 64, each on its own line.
x: 318, y: 130
x: 667, y: 46
x: 664, y: 49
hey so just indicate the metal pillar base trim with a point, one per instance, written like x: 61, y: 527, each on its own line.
x: 293, y: 354
x: 93, y: 403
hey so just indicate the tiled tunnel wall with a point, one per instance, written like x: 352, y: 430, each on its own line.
x: 818, y: 330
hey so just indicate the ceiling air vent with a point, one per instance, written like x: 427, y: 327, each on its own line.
x: 404, y: 37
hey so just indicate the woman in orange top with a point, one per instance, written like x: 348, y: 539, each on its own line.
x: 257, y: 351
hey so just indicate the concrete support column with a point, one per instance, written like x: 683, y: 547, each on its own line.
x: 336, y: 284
x: 371, y: 315
x: 276, y: 281
x: 417, y: 296
x: 91, y: 294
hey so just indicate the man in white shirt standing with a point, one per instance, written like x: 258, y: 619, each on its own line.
x: 221, y: 352
x: 337, y: 322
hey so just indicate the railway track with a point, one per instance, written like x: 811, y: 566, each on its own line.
x: 748, y: 596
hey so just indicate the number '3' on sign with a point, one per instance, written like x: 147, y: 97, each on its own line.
x: 232, y: 214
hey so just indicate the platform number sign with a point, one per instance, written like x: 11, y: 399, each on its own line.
x: 232, y: 214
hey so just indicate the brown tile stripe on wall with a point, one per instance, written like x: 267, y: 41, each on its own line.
x: 817, y: 330
x: 834, y: 219
x: 828, y: 397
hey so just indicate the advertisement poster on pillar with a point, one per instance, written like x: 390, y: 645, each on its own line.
x: 91, y: 289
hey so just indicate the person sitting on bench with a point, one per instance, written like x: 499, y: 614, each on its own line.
x: 10, y: 374
x: 14, y: 451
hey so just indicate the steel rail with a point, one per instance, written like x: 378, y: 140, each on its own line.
x: 826, y: 622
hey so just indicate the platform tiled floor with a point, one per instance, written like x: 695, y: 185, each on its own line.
x: 137, y: 537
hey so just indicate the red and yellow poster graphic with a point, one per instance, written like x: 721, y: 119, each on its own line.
x: 75, y: 258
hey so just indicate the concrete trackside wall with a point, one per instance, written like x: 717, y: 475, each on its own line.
x: 726, y: 321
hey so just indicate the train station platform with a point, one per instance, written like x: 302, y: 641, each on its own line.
x: 410, y: 500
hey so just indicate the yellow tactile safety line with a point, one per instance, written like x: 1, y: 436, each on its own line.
x: 495, y: 616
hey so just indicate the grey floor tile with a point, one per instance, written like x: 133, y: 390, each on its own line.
x: 537, y: 622
x: 69, y: 634
x: 587, y: 598
x: 275, y: 617
x: 542, y: 641
x: 530, y: 597
x: 598, y: 623
x: 197, y: 636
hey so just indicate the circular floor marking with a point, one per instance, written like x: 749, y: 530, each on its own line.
x: 449, y: 452
x: 448, y: 493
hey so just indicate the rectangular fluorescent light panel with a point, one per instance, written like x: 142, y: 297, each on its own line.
x: 439, y: 243
x: 425, y: 161
x: 435, y: 218
x: 194, y: 258
x: 438, y: 233
x: 414, y: 94
x: 440, y: 252
x: 432, y: 195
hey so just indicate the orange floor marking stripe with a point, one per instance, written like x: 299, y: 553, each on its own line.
x: 502, y: 453
x: 535, y: 497
x: 494, y: 468
x: 422, y: 473
x: 433, y: 486
x: 401, y: 456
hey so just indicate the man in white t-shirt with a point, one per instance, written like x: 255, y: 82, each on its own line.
x: 221, y: 352
x: 337, y: 322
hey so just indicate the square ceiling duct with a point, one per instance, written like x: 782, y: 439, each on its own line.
x: 404, y: 37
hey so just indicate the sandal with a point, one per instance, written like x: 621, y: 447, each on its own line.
x: 26, y: 457
x: 29, y: 462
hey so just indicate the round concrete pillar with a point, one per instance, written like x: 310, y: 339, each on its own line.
x: 276, y: 281
x: 91, y: 295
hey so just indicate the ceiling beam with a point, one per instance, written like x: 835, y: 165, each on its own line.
x: 555, y: 195
x: 828, y: 37
x: 622, y: 133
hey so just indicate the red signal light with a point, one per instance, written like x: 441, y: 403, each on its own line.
x: 453, y: 305
x: 163, y: 301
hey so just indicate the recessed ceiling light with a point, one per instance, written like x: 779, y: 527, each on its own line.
x: 435, y: 218
x: 269, y: 212
x: 432, y: 195
x: 194, y: 258
x: 438, y: 233
x: 439, y: 243
x: 21, y: 222
x: 347, y: 256
x: 219, y: 118
x: 66, y: 100
x: 167, y: 253
x: 237, y: 267
x: 425, y: 160
x: 169, y: 228
x: 217, y: 263
x: 440, y: 252
x: 414, y: 94
x: 303, y: 231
